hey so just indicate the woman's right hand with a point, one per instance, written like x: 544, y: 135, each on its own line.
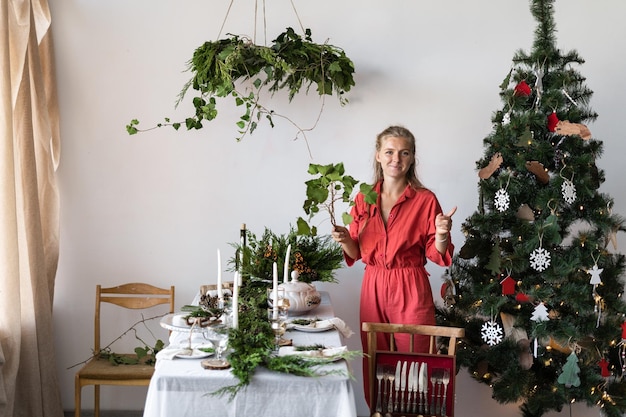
x: 341, y: 234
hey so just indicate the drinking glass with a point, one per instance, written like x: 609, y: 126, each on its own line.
x: 218, y: 336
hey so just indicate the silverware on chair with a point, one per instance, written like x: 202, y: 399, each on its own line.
x: 403, y: 388
x: 391, y: 379
x: 433, y: 383
x: 423, y: 388
x: 379, y: 377
x: 396, y: 406
x: 410, y: 389
x: 445, y: 379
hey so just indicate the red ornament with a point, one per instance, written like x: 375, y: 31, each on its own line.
x: 508, y: 285
x: 522, y: 298
x: 553, y: 120
x: 623, y: 325
x: 522, y: 89
x: 604, y: 368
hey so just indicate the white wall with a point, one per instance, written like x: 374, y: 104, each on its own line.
x: 157, y: 206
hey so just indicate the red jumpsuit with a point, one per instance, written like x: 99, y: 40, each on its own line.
x: 395, y: 286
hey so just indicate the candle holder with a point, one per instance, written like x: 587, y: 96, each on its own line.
x: 278, y: 320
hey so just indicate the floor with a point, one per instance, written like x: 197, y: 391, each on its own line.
x: 108, y: 413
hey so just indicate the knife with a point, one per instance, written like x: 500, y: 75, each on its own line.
x: 397, y: 384
x: 423, y: 388
x: 411, y: 383
x: 415, y: 386
x: 402, y: 387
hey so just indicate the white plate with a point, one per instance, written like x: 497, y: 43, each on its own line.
x: 196, y: 353
x: 312, y: 329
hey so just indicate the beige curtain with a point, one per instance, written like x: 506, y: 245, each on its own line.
x: 29, y: 218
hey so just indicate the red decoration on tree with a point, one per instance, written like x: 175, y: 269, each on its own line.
x: 508, y: 285
x: 522, y: 89
x: 623, y: 325
x: 522, y: 298
x: 604, y: 368
x: 553, y: 120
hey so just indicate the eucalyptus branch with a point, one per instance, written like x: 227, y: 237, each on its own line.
x: 132, y: 328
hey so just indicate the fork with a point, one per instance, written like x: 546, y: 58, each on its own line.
x: 445, y: 379
x: 379, y: 376
x: 433, y: 382
x: 391, y: 378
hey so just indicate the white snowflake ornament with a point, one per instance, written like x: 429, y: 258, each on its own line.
x: 568, y: 189
x: 540, y: 259
x: 502, y: 200
x: 491, y: 333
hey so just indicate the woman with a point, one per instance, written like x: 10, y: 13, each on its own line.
x: 394, y: 238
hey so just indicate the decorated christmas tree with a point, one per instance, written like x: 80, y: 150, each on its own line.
x: 538, y: 282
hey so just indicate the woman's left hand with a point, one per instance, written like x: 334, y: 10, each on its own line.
x: 443, y: 224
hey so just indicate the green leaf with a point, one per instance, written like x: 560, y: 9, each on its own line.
x: 346, y: 218
x: 303, y: 227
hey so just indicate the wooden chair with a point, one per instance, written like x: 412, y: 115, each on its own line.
x: 99, y: 371
x: 204, y: 289
x: 392, y: 329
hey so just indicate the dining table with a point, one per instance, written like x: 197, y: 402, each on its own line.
x: 181, y: 387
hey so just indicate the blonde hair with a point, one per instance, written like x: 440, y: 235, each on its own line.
x: 397, y: 132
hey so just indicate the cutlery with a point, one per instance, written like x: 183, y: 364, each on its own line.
x: 410, y: 387
x: 414, y: 390
x: 423, y: 388
x: 390, y: 399
x: 397, y: 382
x: 433, y: 381
x: 379, y: 377
x: 445, y: 379
x: 403, y: 387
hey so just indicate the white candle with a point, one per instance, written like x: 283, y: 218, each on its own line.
x: 236, y: 302
x: 275, y: 291
x: 219, y: 276
x: 286, y: 269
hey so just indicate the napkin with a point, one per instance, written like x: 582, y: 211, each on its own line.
x: 338, y: 324
x: 170, y: 353
x: 323, y: 353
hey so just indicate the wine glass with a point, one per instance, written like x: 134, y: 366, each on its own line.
x: 218, y: 336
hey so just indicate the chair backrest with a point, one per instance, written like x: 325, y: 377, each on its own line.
x: 133, y: 296
x: 391, y: 329
x: 204, y: 289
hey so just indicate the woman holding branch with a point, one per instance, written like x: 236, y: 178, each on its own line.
x: 394, y: 237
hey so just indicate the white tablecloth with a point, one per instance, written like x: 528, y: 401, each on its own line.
x: 182, y: 388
